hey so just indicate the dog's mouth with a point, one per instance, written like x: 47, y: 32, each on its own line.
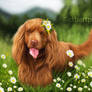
x: 34, y: 52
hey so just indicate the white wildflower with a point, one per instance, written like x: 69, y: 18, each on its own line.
x: 69, y: 74
x: 13, y: 80
x: 88, y: 89
x: 83, y: 74
x: 76, y: 76
x: 76, y: 67
x: 1, y: 89
x: 80, y: 62
x: 63, y: 81
x: 0, y: 83
x: 84, y: 65
x: 71, y: 85
x: 54, y: 80
x: 20, y: 89
x: 74, y: 86
x: 9, y: 89
x: 3, y: 56
x: 70, y: 53
x: 58, y: 85
x: 58, y: 79
x: 4, y: 65
x: 91, y: 83
x: 85, y: 86
x: 14, y: 86
x: 61, y: 88
x: 83, y: 80
x: 90, y: 74
x: 48, y: 27
x: 70, y: 64
x: 69, y: 89
x: 80, y: 89
x: 10, y: 72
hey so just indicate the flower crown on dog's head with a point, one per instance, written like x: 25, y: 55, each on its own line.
x: 47, y: 25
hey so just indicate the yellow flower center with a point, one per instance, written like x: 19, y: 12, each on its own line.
x: 70, y: 54
x: 9, y: 89
x: 90, y: 74
x: 0, y: 90
x: 48, y: 26
x: 13, y: 80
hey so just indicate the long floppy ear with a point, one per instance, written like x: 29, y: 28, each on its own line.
x: 18, y: 45
x: 51, y: 49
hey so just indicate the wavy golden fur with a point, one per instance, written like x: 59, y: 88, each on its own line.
x: 52, y: 53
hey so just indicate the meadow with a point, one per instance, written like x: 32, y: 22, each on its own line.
x: 71, y: 80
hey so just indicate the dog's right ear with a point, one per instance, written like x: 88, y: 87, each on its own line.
x: 18, y: 44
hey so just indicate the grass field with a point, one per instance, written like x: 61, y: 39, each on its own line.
x: 78, y: 79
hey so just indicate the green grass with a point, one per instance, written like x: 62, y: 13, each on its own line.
x: 77, y: 35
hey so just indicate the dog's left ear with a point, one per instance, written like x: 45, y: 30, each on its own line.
x: 52, y: 37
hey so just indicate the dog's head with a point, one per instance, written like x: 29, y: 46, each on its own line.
x: 33, y: 37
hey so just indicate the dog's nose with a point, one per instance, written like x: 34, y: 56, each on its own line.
x: 34, y: 42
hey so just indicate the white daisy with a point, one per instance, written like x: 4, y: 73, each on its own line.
x: 71, y: 85
x: 10, y: 72
x: 63, y: 81
x: 80, y: 89
x: 3, y: 56
x: 76, y: 76
x: 20, y: 89
x: 61, y: 88
x: 88, y: 89
x: 69, y: 89
x: 83, y: 74
x: 54, y: 80
x: 58, y: 79
x: 46, y: 22
x: 13, y: 80
x: 91, y: 83
x: 1, y: 89
x: 69, y: 74
x: 76, y: 67
x: 4, y: 65
x: 85, y: 86
x: 14, y: 86
x: 70, y: 64
x: 90, y: 74
x: 70, y: 53
x: 80, y: 62
x: 9, y: 89
x: 84, y: 65
x: 48, y: 27
x: 74, y: 86
x: 0, y: 83
x: 58, y: 85
x: 83, y: 80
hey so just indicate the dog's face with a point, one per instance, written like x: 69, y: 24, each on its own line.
x: 35, y: 37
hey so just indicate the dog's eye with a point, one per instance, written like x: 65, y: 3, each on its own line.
x: 28, y: 31
x: 41, y: 33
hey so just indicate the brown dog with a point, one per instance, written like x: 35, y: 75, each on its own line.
x: 38, y: 53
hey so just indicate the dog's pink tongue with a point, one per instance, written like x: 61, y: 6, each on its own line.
x: 34, y: 52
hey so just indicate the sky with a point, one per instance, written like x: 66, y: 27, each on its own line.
x: 19, y: 6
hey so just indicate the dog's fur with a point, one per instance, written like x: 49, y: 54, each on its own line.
x: 38, y: 72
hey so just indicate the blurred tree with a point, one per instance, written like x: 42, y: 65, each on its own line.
x: 79, y: 11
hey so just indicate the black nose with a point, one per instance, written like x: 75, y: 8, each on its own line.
x: 34, y: 42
